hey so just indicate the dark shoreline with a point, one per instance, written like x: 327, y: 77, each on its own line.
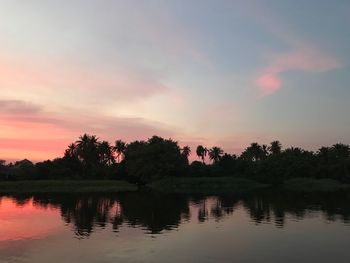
x: 191, y: 185
x: 65, y: 186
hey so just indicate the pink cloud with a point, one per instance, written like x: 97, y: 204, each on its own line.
x: 269, y: 81
x: 303, y: 55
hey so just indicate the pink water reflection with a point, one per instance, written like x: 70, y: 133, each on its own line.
x: 27, y: 220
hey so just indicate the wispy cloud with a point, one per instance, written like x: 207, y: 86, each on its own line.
x: 18, y: 107
x: 301, y: 53
x: 269, y: 81
x: 64, y: 79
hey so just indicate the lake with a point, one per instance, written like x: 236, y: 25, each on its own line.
x: 267, y: 226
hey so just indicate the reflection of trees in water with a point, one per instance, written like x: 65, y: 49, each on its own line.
x: 86, y: 213
x: 214, y: 207
x: 83, y: 212
x: 156, y: 213
x: 272, y: 206
x: 277, y: 205
x: 202, y: 211
x: 150, y: 211
x: 153, y: 211
x: 22, y: 200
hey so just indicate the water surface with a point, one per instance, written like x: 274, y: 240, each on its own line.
x: 151, y: 227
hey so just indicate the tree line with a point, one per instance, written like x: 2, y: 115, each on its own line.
x: 143, y: 161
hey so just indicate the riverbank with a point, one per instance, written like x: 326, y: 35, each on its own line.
x: 205, y: 185
x: 66, y: 186
x: 225, y: 185
x: 195, y: 185
x: 181, y: 185
x: 314, y: 185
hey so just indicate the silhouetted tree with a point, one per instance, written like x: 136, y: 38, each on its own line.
x: 23, y: 170
x: 275, y: 147
x: 341, y: 150
x: 71, y: 151
x: 186, y: 151
x: 105, y: 151
x: 199, y: 169
x: 215, y: 154
x: 88, y: 153
x: 334, y: 162
x: 201, y: 152
x: 291, y: 163
x: 253, y: 153
x: 120, y: 147
x: 265, y: 151
x: 228, y: 165
x: 87, y: 149
x: 156, y: 158
x: 3, y: 170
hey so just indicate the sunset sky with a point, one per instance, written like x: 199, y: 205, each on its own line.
x: 210, y: 72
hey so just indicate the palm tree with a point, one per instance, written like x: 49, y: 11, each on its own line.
x: 87, y: 148
x: 85, y: 141
x: 275, y: 147
x: 120, y: 147
x: 106, y: 153
x: 201, y: 152
x: 253, y: 153
x: 71, y: 151
x: 215, y: 154
x: 186, y: 151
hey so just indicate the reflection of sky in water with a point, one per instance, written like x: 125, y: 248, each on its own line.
x: 26, y: 221
x: 195, y: 229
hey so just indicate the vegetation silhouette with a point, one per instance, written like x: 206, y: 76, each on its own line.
x: 142, y: 162
x: 215, y: 154
x: 186, y: 151
x: 201, y: 152
x: 119, y: 148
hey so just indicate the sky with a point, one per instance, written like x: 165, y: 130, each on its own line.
x: 211, y: 72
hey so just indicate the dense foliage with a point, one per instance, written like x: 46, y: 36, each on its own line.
x: 155, y: 158
x: 144, y: 161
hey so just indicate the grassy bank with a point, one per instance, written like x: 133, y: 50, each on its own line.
x: 190, y: 185
x: 205, y: 185
x: 65, y: 187
x: 314, y: 185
